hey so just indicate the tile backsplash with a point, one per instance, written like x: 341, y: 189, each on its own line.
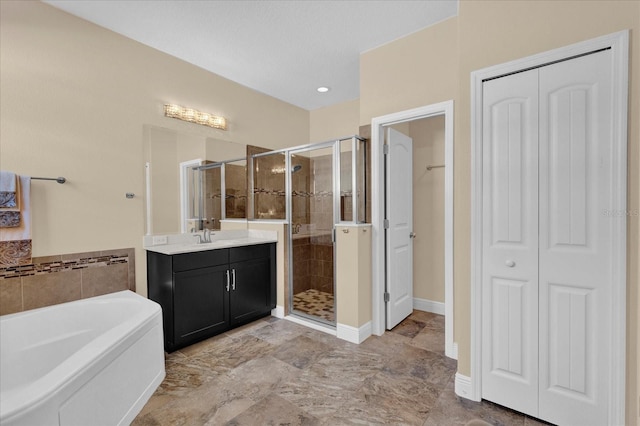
x: 50, y: 280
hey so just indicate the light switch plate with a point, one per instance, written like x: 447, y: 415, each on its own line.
x: 159, y: 239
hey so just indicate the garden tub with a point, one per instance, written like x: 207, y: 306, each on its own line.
x: 88, y: 362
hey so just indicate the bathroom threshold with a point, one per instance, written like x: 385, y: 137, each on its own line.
x: 311, y: 323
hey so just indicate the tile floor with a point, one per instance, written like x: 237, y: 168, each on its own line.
x: 276, y: 372
x: 316, y: 303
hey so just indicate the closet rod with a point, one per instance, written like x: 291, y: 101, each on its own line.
x: 59, y: 179
x: 434, y: 167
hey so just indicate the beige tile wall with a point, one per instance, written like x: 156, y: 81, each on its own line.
x: 269, y: 187
x: 321, y: 264
x: 50, y: 280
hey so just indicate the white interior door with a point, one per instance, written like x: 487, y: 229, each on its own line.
x: 548, y: 174
x: 510, y: 242
x: 399, y: 199
x: 576, y: 178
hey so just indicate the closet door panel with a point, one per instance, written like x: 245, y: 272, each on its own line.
x: 510, y: 242
x: 575, y: 239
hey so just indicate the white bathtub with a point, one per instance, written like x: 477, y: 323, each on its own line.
x: 95, y: 361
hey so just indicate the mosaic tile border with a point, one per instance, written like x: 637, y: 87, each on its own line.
x: 69, y: 264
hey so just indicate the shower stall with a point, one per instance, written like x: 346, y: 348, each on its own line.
x: 312, y: 188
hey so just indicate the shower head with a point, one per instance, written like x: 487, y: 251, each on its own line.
x: 295, y: 168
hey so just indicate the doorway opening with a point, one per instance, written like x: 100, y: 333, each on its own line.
x: 439, y: 115
x: 311, y: 174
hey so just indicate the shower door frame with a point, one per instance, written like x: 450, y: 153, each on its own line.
x: 335, y: 146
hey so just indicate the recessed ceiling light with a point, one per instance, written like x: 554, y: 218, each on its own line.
x: 322, y: 89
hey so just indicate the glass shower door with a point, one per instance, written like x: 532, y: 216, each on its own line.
x: 312, y: 222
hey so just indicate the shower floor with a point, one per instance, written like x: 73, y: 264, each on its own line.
x: 316, y: 303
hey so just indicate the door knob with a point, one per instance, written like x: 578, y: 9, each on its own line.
x: 412, y: 235
x: 510, y: 263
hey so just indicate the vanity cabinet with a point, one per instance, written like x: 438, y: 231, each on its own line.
x: 207, y: 292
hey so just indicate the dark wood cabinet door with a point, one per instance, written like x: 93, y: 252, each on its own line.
x: 200, y: 303
x: 250, y: 297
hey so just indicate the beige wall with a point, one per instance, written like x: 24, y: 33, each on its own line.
x: 428, y: 208
x: 434, y: 65
x: 74, y: 99
x: 414, y: 71
x: 353, y: 275
x: 334, y: 121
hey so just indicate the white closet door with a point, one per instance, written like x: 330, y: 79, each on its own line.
x: 575, y: 239
x: 510, y: 242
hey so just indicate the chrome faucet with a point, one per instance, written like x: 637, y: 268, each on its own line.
x: 205, y: 237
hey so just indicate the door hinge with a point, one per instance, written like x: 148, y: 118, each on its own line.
x: 386, y: 296
x: 386, y: 224
x: 385, y: 149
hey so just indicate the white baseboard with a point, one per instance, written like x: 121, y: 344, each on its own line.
x: 353, y: 334
x: 463, y: 387
x: 428, y: 306
x: 452, y: 352
x: 278, y: 312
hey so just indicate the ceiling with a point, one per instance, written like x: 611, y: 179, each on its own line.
x: 285, y: 49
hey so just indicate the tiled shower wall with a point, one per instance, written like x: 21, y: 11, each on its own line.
x: 301, y: 264
x: 212, y: 193
x: 236, y: 191
x: 313, y: 264
x: 321, y: 264
x: 269, y: 186
x: 50, y: 280
x: 301, y: 198
x: 322, y: 188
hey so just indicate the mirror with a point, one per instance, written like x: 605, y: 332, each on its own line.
x: 172, y: 186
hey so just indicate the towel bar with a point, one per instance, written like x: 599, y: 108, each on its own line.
x: 59, y: 179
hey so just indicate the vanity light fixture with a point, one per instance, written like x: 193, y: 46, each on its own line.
x: 195, y: 116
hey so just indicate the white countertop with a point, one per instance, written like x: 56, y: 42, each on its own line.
x: 187, y: 243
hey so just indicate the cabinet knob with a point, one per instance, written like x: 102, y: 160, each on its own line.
x: 510, y: 263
